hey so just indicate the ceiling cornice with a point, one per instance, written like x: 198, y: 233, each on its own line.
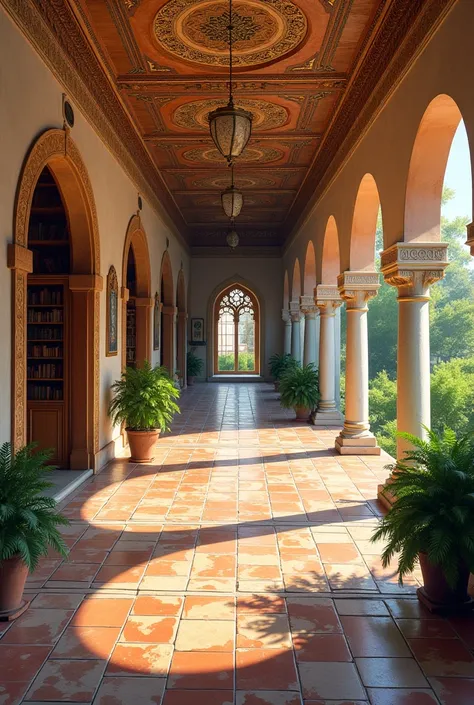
x: 53, y: 30
x: 404, y: 32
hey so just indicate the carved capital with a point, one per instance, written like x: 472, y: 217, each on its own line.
x: 470, y: 237
x: 308, y: 307
x: 124, y: 293
x: 295, y: 311
x: 19, y: 257
x: 285, y: 314
x: 169, y: 310
x: 86, y: 282
x: 414, y: 267
x: 327, y: 299
x: 356, y: 288
x: 145, y: 301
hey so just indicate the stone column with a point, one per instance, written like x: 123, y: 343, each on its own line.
x: 412, y: 268
x: 327, y: 300
x: 311, y: 311
x: 356, y: 288
x: 285, y: 314
x: 295, y: 314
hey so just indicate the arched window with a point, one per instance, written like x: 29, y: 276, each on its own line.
x: 236, y: 340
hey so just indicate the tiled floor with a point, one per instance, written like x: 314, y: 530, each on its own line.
x: 235, y: 570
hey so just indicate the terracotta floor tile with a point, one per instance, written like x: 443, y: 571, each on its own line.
x: 149, y: 630
x: 261, y: 604
x: 76, y: 572
x: 86, y: 642
x: 160, y: 606
x: 38, y: 626
x: 331, y: 681
x: 163, y: 582
x: 453, y: 691
x: 128, y: 558
x: 123, y: 690
x: 102, y: 612
x: 263, y: 631
x: 373, y: 636
x: 321, y: 647
x: 312, y: 616
x: 371, y: 608
x: 12, y: 693
x: 390, y: 673
x: 57, y: 601
x: 267, y: 697
x: 21, y: 663
x: 209, y: 608
x: 426, y: 628
x: 198, y: 697
x: 201, y: 671
x: 339, y: 553
x: 67, y: 681
x: 129, y: 659
x: 167, y: 568
x: 402, y: 696
x: 443, y: 657
x: 205, y: 635
x: 265, y: 669
x: 115, y: 574
x: 259, y: 572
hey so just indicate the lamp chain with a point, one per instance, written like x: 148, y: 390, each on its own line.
x: 231, y: 101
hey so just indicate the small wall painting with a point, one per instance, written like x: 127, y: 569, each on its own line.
x: 156, y: 323
x: 197, y: 330
x: 112, y: 313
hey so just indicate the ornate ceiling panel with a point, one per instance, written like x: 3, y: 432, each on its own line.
x: 295, y: 63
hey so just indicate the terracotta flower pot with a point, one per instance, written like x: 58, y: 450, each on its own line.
x: 436, y: 593
x: 277, y: 386
x: 142, y: 445
x: 13, y: 574
x: 302, y: 413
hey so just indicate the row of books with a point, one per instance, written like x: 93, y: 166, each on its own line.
x: 45, y: 264
x: 47, y: 231
x: 41, y: 392
x: 54, y: 316
x: 45, y: 351
x: 45, y: 297
x: 47, y: 370
x: 45, y: 333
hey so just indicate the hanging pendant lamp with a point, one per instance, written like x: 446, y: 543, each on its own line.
x: 232, y: 239
x: 230, y: 126
x: 232, y: 199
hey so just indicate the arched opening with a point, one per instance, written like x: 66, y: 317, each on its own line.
x: 286, y: 292
x: 309, y: 281
x: 236, y: 331
x: 427, y: 168
x: 330, y: 264
x: 364, y: 226
x: 137, y: 303
x: 296, y: 281
x: 168, y: 313
x: 55, y: 262
x: 181, y: 328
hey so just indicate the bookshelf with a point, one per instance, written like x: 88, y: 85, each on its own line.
x: 47, y: 322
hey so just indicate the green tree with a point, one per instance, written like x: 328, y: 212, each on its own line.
x: 452, y: 396
x: 452, y: 329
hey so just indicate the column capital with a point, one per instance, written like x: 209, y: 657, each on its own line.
x: 327, y: 299
x: 19, y: 257
x: 308, y: 306
x: 86, y: 282
x: 124, y: 293
x: 169, y: 310
x: 470, y: 237
x: 413, y: 267
x: 144, y: 301
x: 356, y: 288
x: 285, y: 314
x: 295, y: 311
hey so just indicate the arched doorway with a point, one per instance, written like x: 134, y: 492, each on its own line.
x: 55, y: 264
x: 137, y: 302
x: 168, y: 313
x: 236, y: 331
x: 181, y: 327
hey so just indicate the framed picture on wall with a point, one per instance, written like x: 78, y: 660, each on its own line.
x: 197, y: 330
x: 112, y: 313
x: 156, y: 323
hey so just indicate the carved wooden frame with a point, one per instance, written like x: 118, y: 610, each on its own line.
x: 112, y: 287
x: 256, y: 318
x: 56, y: 150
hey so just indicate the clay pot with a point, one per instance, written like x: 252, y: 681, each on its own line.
x: 302, y: 413
x: 142, y: 445
x: 436, y: 589
x: 190, y: 381
x: 13, y: 574
x: 277, y: 386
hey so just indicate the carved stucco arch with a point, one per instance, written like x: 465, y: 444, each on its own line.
x: 56, y: 150
x: 136, y: 240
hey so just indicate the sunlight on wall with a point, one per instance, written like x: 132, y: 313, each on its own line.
x: 458, y: 177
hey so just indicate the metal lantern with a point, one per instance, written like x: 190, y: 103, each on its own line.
x: 232, y: 239
x: 230, y: 128
x: 232, y: 201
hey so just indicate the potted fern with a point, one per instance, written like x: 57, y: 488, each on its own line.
x: 194, y: 367
x: 28, y: 523
x: 144, y: 400
x: 279, y: 365
x: 299, y: 389
x: 432, y: 518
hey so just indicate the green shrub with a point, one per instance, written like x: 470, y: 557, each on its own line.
x: 299, y: 387
x: 279, y: 364
x: 194, y: 364
x: 225, y: 363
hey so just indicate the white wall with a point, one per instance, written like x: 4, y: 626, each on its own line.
x: 31, y: 102
x: 263, y: 276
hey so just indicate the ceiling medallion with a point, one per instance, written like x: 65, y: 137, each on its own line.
x: 221, y: 182
x: 266, y: 115
x: 251, y: 154
x: 196, y: 30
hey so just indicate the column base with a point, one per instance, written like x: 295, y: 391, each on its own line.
x: 331, y: 417
x: 364, y: 444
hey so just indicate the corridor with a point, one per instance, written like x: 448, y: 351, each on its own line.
x: 234, y: 570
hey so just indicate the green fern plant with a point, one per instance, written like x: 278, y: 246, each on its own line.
x: 28, y: 520
x: 434, y: 509
x: 299, y: 387
x: 144, y: 398
x: 280, y: 364
x: 194, y: 364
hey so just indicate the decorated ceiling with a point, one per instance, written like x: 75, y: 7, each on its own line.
x: 293, y: 62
